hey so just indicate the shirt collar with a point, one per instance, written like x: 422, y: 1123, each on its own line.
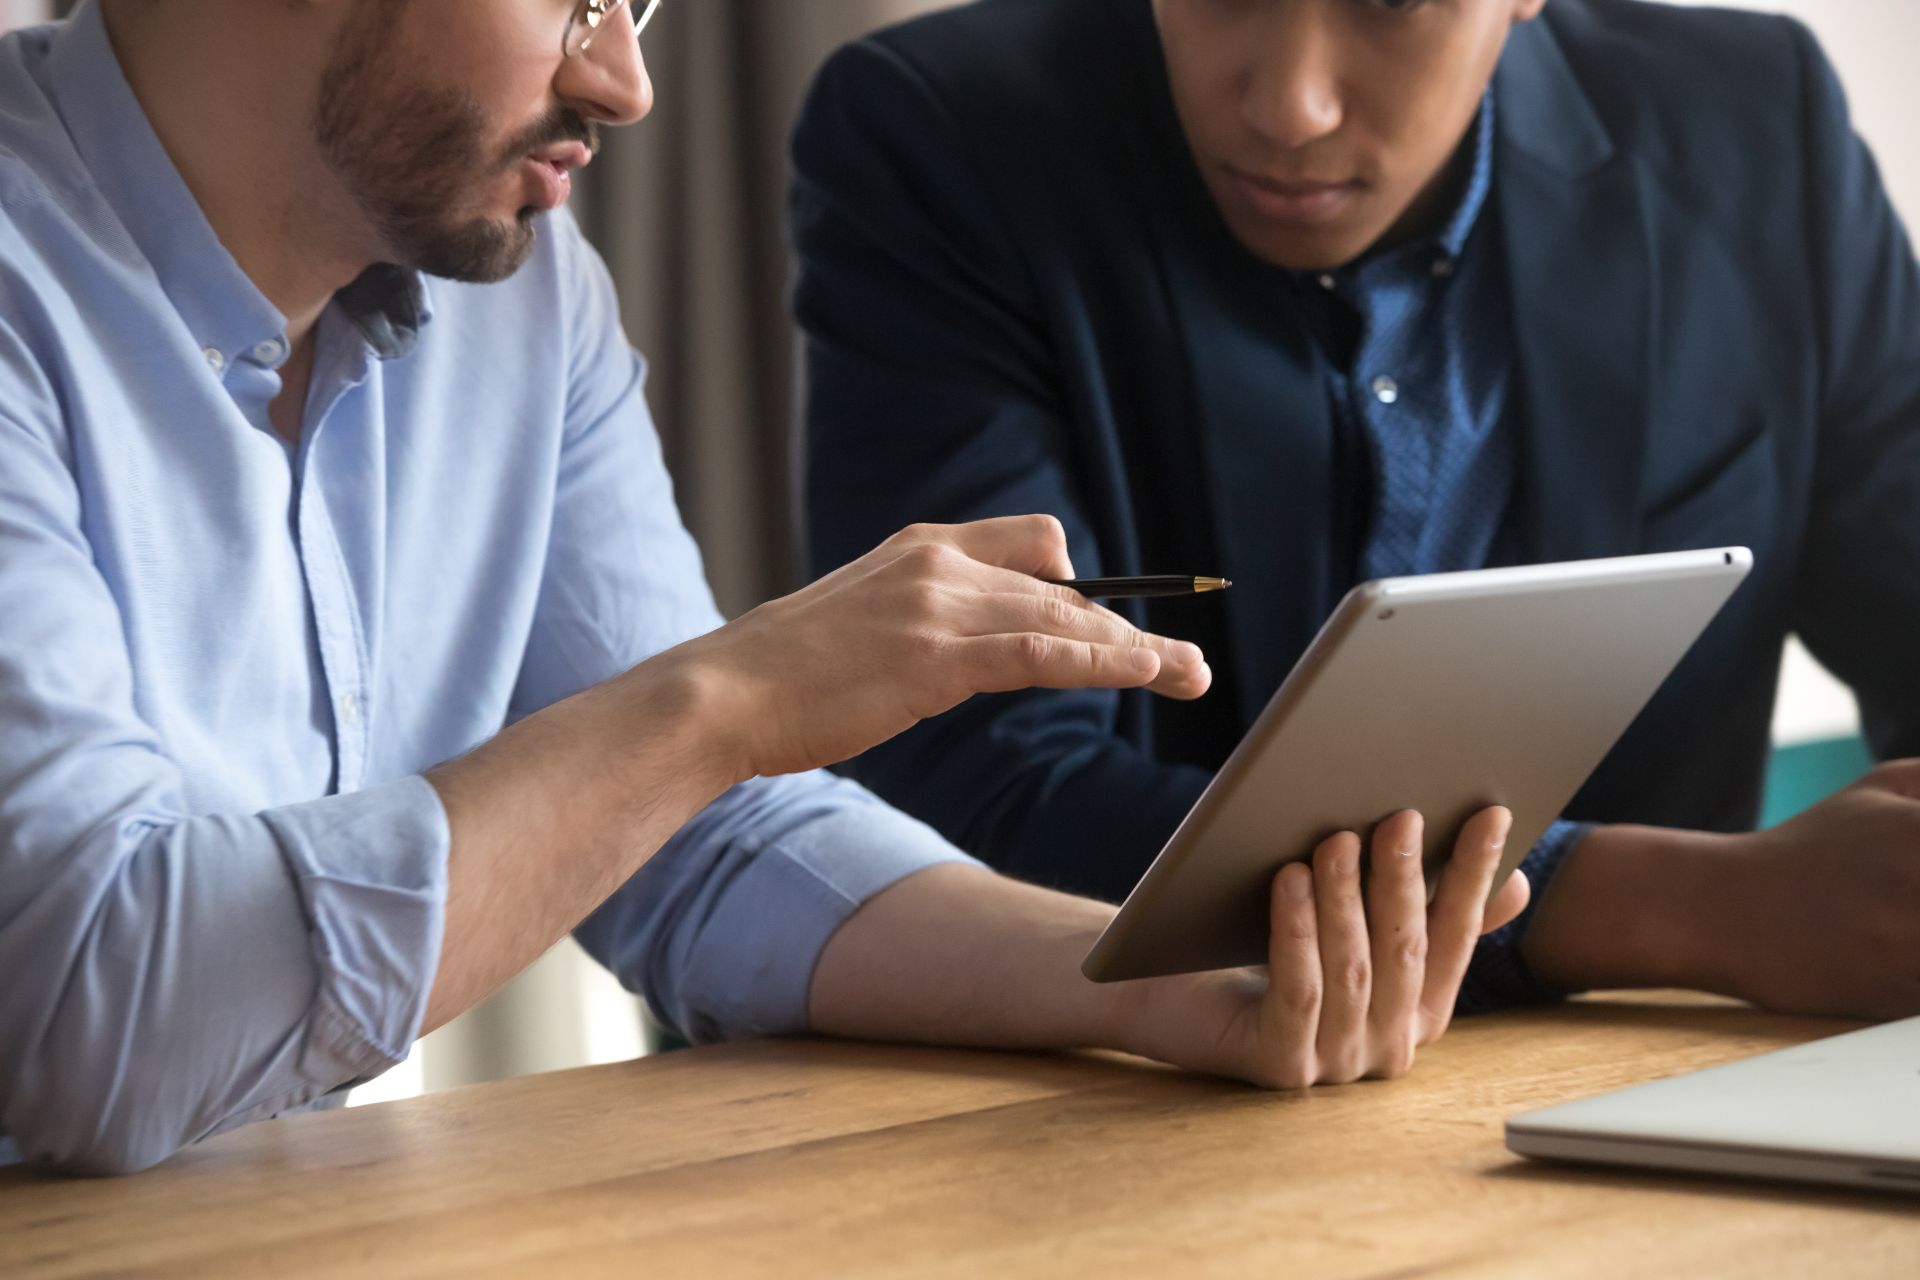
x: 389, y: 305
x: 1437, y: 252
x: 222, y: 307
x: 1453, y: 236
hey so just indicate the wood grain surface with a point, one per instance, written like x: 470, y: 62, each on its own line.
x: 813, y: 1158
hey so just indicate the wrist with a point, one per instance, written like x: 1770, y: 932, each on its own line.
x: 1636, y: 906
x: 676, y: 711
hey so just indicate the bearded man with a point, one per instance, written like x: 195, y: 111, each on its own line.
x: 352, y: 651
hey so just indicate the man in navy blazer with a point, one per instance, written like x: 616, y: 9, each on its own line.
x: 1299, y: 291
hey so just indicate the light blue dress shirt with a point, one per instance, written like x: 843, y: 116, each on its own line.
x: 224, y: 663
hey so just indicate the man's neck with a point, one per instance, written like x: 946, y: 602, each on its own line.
x: 235, y: 124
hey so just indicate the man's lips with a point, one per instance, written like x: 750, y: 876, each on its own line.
x: 550, y: 171
x: 565, y: 155
x: 1295, y: 200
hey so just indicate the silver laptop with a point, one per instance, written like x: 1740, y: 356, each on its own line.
x: 1844, y: 1110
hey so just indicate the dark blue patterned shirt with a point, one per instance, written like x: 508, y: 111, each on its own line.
x: 1418, y: 355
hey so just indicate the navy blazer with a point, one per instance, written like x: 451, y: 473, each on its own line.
x: 1017, y: 296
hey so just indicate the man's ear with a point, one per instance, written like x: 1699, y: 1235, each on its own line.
x: 1527, y: 10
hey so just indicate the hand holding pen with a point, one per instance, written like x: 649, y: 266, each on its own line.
x: 931, y: 617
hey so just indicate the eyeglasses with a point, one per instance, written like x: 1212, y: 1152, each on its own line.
x: 590, y: 15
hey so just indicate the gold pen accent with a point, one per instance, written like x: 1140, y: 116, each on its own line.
x: 1143, y: 588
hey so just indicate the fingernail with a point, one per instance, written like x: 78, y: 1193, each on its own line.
x: 1501, y: 830
x: 1185, y: 653
x: 1407, y: 853
x: 1299, y: 884
x: 1144, y: 660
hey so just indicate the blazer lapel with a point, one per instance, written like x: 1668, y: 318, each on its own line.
x: 1582, y: 282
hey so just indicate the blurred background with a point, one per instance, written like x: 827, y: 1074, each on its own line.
x: 687, y: 209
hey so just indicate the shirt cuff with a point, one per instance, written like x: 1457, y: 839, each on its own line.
x: 1498, y: 977
x: 372, y: 874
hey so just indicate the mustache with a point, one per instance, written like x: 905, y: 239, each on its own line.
x: 561, y: 125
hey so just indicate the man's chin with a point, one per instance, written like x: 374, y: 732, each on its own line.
x: 483, y: 251
x: 1305, y: 247
x: 1308, y: 251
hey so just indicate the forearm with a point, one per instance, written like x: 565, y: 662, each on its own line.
x: 1639, y: 907
x: 958, y: 955
x: 550, y: 817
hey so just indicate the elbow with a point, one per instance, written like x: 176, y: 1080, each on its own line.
x: 86, y: 1094
x: 66, y: 1135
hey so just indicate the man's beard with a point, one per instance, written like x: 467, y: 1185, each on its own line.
x: 413, y: 157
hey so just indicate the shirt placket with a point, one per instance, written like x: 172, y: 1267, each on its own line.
x: 337, y: 623
x: 1401, y: 455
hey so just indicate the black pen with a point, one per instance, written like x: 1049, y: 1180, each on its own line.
x: 1137, y: 588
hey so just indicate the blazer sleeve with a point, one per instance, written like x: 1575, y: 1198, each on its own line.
x: 1857, y: 593
x: 931, y: 394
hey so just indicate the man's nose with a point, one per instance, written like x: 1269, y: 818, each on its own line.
x: 1293, y: 96
x: 607, y: 81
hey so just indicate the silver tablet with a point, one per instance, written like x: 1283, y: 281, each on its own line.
x: 1444, y: 693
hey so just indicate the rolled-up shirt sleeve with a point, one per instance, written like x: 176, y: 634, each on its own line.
x: 722, y: 929
x: 172, y: 974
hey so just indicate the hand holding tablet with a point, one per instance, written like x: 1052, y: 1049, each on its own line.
x: 1362, y: 970
x: 1443, y: 694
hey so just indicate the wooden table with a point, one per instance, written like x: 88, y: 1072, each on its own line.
x: 802, y: 1158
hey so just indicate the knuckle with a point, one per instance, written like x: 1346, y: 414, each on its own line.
x: 1034, y: 650
x: 1301, y: 997
x: 943, y: 558
x: 923, y: 559
x: 1356, y: 979
x: 1048, y: 529
x: 1391, y: 1061
x: 915, y: 534
x: 1058, y: 615
x: 921, y: 600
x: 1294, y: 1071
x: 929, y: 647
x: 1902, y: 777
x: 1410, y: 952
x: 1344, y: 1066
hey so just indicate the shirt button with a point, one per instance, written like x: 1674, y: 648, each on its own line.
x: 269, y: 351
x: 215, y: 360
x: 349, y: 708
x: 1327, y: 282
x: 1442, y: 268
x: 1385, y: 389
